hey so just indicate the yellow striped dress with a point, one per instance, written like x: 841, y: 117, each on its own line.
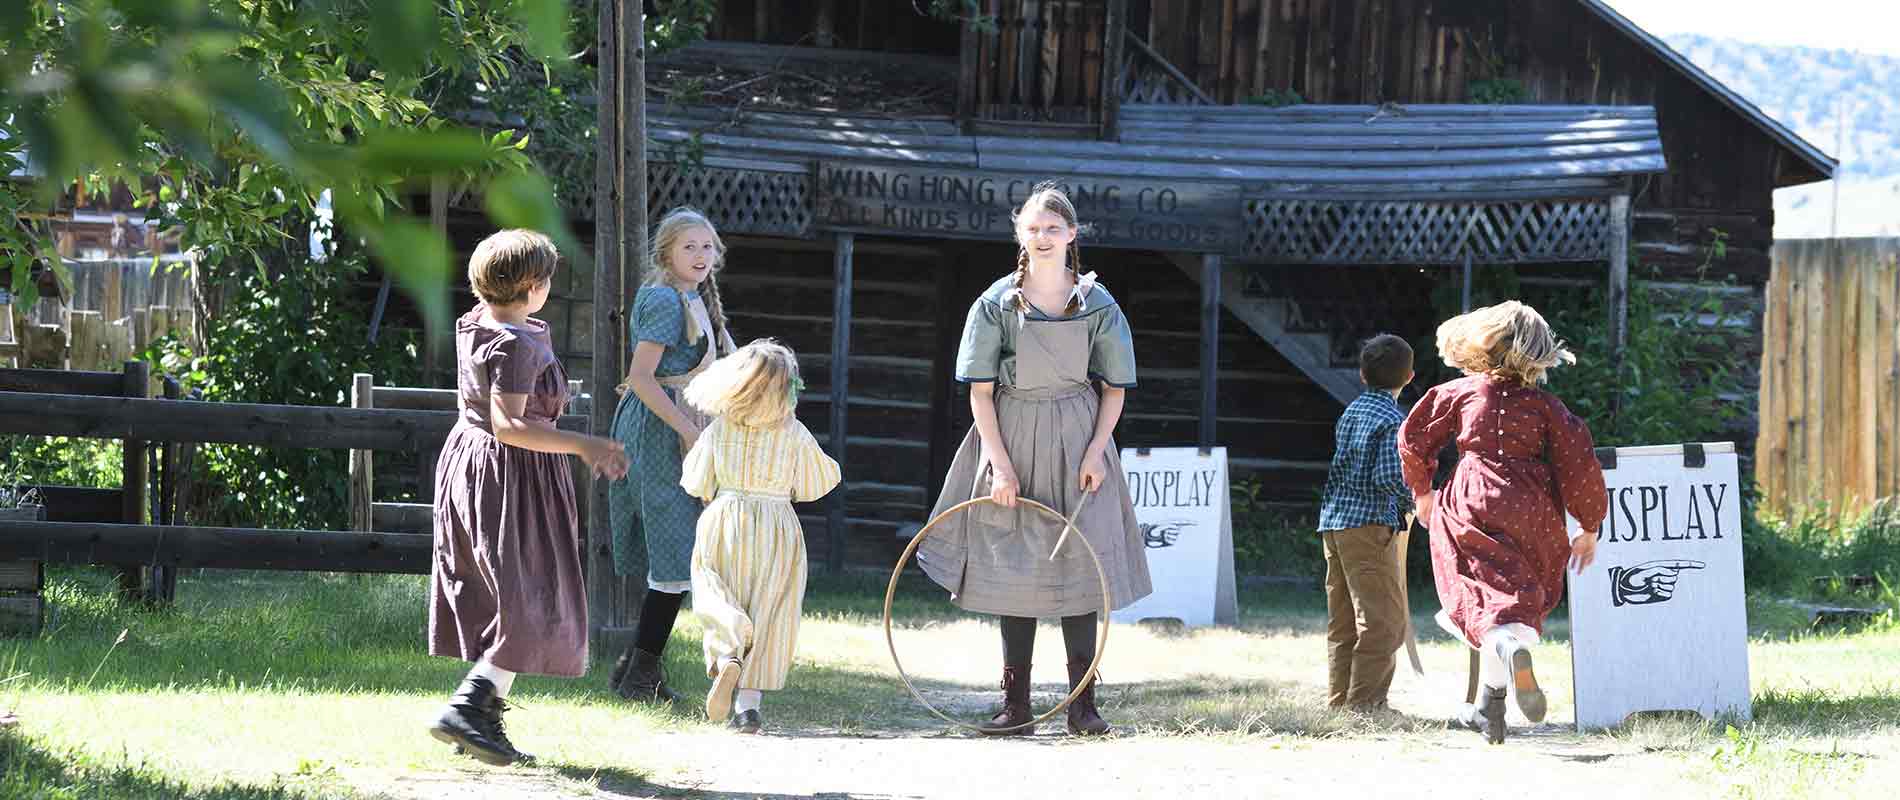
x: 749, y: 554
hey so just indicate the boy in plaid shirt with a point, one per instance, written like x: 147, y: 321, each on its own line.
x: 1362, y: 533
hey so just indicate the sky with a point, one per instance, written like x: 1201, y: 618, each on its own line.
x: 1864, y: 25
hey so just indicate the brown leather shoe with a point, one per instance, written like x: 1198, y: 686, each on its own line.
x: 1015, y: 706
x: 1084, y: 719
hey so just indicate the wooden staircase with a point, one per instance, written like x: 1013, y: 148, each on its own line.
x: 1272, y: 319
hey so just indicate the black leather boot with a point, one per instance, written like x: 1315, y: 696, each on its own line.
x: 1015, y: 706
x: 639, y: 676
x: 473, y: 723
x: 499, y: 731
x: 1084, y: 719
x: 1493, y: 713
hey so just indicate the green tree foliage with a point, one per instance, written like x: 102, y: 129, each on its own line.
x: 245, y: 110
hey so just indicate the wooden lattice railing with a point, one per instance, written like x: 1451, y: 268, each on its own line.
x: 740, y: 200
x: 1422, y: 232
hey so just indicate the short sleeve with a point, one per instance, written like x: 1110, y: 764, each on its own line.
x: 1431, y: 424
x: 980, y: 354
x: 698, y: 475
x: 658, y: 316
x: 1112, y: 349
x: 1571, y: 452
x: 814, y: 473
x: 513, y: 364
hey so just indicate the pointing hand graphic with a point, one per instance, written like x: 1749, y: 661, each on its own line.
x: 1648, y: 582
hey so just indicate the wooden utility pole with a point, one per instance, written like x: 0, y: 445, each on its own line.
x: 620, y: 236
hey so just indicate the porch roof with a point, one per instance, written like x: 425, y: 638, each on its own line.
x: 1416, y: 152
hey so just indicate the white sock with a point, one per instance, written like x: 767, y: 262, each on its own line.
x: 1524, y: 633
x: 1494, y: 672
x: 746, y: 700
x: 501, y: 678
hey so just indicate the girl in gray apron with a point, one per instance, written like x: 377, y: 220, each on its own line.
x: 1043, y: 431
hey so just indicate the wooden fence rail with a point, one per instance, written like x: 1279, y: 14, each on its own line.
x: 320, y: 427
x: 181, y: 546
x: 1830, y: 389
x: 64, y: 403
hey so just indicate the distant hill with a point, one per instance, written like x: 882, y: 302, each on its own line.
x: 1803, y: 88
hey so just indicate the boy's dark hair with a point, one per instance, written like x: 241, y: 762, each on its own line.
x: 1385, y: 361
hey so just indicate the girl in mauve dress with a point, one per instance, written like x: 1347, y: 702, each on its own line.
x: 508, y: 592
x: 1498, y: 540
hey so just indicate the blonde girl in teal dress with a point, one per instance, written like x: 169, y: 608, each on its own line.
x: 678, y: 328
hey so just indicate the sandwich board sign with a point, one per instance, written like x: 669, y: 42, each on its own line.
x: 1181, y: 496
x: 1658, y: 622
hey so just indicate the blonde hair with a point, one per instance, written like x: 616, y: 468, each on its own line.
x: 756, y: 386
x: 507, y: 266
x: 1509, y: 340
x: 668, y: 231
x: 1046, y: 196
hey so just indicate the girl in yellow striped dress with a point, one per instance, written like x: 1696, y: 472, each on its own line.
x: 750, y: 465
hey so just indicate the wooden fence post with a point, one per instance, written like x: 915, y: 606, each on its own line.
x: 1210, y: 345
x: 362, y: 395
x: 164, y: 578
x: 133, y: 476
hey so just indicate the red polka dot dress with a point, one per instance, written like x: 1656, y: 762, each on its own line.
x: 1498, y: 542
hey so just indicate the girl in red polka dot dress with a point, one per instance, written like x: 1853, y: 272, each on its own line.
x: 1498, y: 541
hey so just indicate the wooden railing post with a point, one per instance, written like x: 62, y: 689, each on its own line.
x: 362, y: 395
x: 837, y: 525
x: 1210, y: 345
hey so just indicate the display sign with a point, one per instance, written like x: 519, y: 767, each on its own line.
x: 1659, y: 622
x: 1180, y: 496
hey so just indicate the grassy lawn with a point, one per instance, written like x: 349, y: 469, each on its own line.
x: 265, y: 685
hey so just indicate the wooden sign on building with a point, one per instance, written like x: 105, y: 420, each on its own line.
x: 925, y: 200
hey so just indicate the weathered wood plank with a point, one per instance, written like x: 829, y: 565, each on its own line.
x: 21, y: 576
x: 59, y: 381
x: 1866, y: 346
x: 21, y: 615
x: 215, y: 548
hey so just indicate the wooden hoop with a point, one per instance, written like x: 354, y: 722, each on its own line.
x: 1101, y: 640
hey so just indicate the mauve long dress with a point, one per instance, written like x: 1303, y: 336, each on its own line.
x: 507, y: 573
x: 1499, y: 546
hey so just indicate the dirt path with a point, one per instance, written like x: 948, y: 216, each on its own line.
x: 1454, y: 764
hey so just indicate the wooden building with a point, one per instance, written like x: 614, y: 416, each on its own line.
x: 1268, y: 182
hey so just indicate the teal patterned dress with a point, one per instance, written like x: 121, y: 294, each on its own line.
x: 649, y: 503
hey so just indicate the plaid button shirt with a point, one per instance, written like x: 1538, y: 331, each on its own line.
x: 1365, y: 486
